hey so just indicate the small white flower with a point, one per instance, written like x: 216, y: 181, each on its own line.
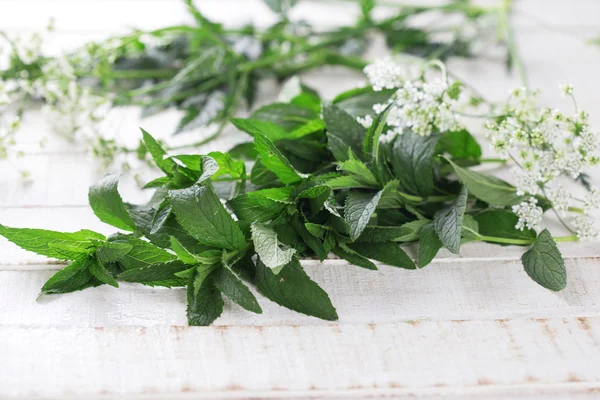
x: 592, y: 200
x: 384, y: 73
x: 527, y: 182
x: 529, y: 213
x: 584, y: 227
x: 567, y: 90
x: 560, y: 198
x: 365, y: 121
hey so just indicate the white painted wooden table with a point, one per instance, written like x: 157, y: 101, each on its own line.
x: 473, y: 326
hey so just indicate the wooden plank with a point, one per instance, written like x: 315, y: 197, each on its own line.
x: 526, y: 358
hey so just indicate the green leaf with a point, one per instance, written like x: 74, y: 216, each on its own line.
x: 488, y: 188
x: 357, y: 168
x: 389, y: 253
x: 358, y: 210
x: 260, y: 175
x: 280, y: 6
x: 470, y: 229
x: 108, y: 205
x: 159, y: 155
x: 501, y: 223
x: 255, y: 209
x: 274, y: 254
x: 101, y: 273
x: 448, y: 222
x: 205, y: 304
x: 110, y: 252
x: 288, y: 116
x: 142, y: 253
x: 360, y: 101
x: 72, y: 278
x: 407, y: 232
x: 227, y: 165
x: 156, y: 274
x: 232, y: 286
x: 200, y: 212
x: 460, y: 145
x: 274, y: 161
x: 429, y: 245
x: 183, y: 254
x: 343, y: 132
x: 412, y: 162
x: 343, y: 251
x: 544, y: 263
x: 51, y: 243
x: 348, y: 182
x: 293, y: 289
x: 271, y: 131
x: 316, y: 195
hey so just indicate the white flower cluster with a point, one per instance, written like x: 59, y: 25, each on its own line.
x: 546, y: 144
x: 421, y: 106
x: 529, y: 213
x: 9, y: 121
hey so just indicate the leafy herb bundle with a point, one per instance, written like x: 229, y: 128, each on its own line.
x: 317, y: 182
x: 208, y: 71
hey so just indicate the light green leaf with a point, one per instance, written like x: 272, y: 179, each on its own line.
x: 274, y: 161
x: 51, y: 243
x: 448, y: 222
x: 110, y: 252
x: 158, y: 154
x: 488, y: 188
x: 271, y: 251
x: 108, y: 205
x: 544, y: 263
x: 348, y: 182
x: 142, y: 253
x: 293, y: 289
x: 158, y: 274
x: 459, y: 144
x: 357, y: 168
x: 200, y: 212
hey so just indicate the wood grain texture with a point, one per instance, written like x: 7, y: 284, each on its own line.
x: 472, y: 326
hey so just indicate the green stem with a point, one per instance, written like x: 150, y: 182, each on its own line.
x: 504, y: 22
x: 493, y: 160
x: 429, y: 199
x: 523, y: 242
x: 576, y: 210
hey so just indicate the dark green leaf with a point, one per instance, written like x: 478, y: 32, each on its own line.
x: 459, y: 144
x: 448, y: 222
x: 343, y: 251
x: 412, y: 162
x: 110, y: 252
x: 232, y: 286
x: 544, y: 263
x: 343, y: 132
x: 142, y: 253
x: 108, y: 205
x: 293, y: 289
x: 72, y: 278
x: 389, y: 253
x: 101, y: 273
x: 429, y: 245
x: 359, y: 102
x: 501, y: 223
x: 274, y: 161
x: 154, y: 274
x: 205, y: 304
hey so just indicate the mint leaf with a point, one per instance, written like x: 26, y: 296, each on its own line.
x: 357, y: 168
x: 488, y: 188
x: 110, y: 252
x: 460, y: 145
x: 274, y: 161
x: 293, y: 289
x: 316, y: 195
x: 256, y: 208
x: 501, y: 223
x: 101, y: 273
x: 205, y: 304
x: 544, y: 263
x: 274, y: 254
x: 200, y: 212
x: 232, y: 286
x: 448, y: 222
x: 343, y: 132
x: 74, y: 277
x: 470, y: 229
x: 429, y: 245
x: 288, y: 116
x: 51, y: 243
x: 227, y: 165
x: 349, y: 182
x: 359, y: 102
x: 270, y: 130
x: 157, y: 274
x: 159, y: 155
x: 388, y: 253
x: 141, y: 254
x: 343, y: 251
x: 108, y: 205
x: 358, y: 210
x: 183, y: 254
x: 412, y: 162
